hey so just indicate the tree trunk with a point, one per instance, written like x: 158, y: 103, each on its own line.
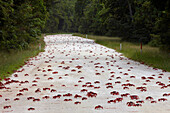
x: 130, y: 10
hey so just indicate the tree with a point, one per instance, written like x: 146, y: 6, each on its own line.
x: 60, y: 17
x: 21, y: 21
x: 162, y: 26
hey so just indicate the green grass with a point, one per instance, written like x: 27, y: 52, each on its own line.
x: 11, y: 61
x: 56, y: 33
x: 150, y: 55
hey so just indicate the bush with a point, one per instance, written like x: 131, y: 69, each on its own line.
x: 155, y: 40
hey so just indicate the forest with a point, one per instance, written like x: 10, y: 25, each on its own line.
x: 146, y: 21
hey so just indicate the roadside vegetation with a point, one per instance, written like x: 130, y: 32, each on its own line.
x: 12, y: 60
x: 144, y: 21
x: 151, y: 55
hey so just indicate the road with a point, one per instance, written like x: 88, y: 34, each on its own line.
x: 76, y: 75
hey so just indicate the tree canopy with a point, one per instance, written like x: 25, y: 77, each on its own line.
x: 21, y: 22
x: 133, y: 20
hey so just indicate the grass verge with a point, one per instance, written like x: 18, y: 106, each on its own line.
x: 56, y: 33
x: 13, y: 60
x: 150, y: 55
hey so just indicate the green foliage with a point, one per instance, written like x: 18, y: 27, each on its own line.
x: 155, y: 40
x: 61, y: 18
x: 14, y: 59
x: 144, y: 21
x: 21, y: 22
x: 162, y: 26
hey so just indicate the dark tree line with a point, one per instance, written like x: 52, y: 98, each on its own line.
x: 61, y: 16
x: 134, y: 20
x: 21, y: 22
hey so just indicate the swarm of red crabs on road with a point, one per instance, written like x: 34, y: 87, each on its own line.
x: 116, y: 75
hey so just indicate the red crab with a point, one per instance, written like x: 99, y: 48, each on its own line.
x: 114, y: 101
x: 7, y: 107
x: 84, y: 85
x: 108, y: 84
x: 132, y: 77
x: 118, y: 77
x: 26, y: 75
x: 30, y: 109
x: 77, y: 96
x: 150, y: 77
x: 149, y: 98
x: 68, y: 95
x: 46, y: 97
x: 112, y: 76
x: 125, y: 95
x: 125, y: 87
x: 130, y: 104
x: 97, y: 82
x: 36, y: 100
x: 15, y: 75
x: 84, y: 90
x: 162, y: 99
x: 7, y: 99
x: 34, y: 84
x: 142, y: 88
x: 117, y: 82
x: 90, y: 86
x: 79, y: 71
x: 67, y: 99
x: 97, y: 87
x: 119, y: 99
x: 84, y: 98
x: 37, y: 78
x: 53, y: 90
x: 137, y: 105
x: 159, y: 76
x: 140, y: 101
x: 50, y: 78
x: 55, y: 72
x: 98, y: 74
x: 73, y: 70
x: 114, y: 93
x: 77, y: 102
x: 29, y: 98
x: 99, y: 107
x: 79, y: 81
x: 153, y: 102
x: 166, y: 94
x: 19, y: 94
x: 58, y: 96
x: 112, y: 72
x: 109, y: 87
x: 78, y: 67
x: 91, y: 94
x: 38, y: 90
x: 143, y: 77
x: 16, y: 99
x: 46, y: 89
x: 134, y: 97
x: 81, y: 77
x: 126, y: 74
x: 49, y: 69
x: 75, y: 85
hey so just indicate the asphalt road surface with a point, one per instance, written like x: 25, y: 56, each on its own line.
x: 76, y: 75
